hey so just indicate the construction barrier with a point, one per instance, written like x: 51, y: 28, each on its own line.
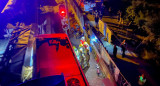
x: 104, y: 29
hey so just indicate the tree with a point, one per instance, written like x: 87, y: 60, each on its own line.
x: 145, y: 15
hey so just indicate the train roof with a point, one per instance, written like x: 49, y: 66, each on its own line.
x: 56, y: 58
x: 59, y: 35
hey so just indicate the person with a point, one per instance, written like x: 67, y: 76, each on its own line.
x: 102, y: 10
x: 98, y: 70
x: 88, y: 26
x: 142, y: 80
x: 123, y: 48
x: 88, y: 30
x: 97, y: 66
x: 96, y: 20
x: 85, y: 26
x: 110, y: 12
x: 119, y: 15
x: 96, y: 12
x: 124, y: 42
x: 115, y: 51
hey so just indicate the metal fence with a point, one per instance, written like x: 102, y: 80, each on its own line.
x: 113, y: 69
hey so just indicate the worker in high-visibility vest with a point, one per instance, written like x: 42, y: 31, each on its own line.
x: 86, y: 46
x: 141, y: 80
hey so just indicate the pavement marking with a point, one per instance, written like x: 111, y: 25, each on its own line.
x: 126, y: 59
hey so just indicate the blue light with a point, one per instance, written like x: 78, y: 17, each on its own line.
x: 94, y: 39
x: 31, y: 59
x: 84, y: 28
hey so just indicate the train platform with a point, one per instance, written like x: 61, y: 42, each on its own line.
x: 131, y: 66
x: 91, y: 72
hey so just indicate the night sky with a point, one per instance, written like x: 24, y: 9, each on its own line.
x: 2, y: 4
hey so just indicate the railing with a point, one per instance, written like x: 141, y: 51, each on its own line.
x: 113, y: 69
x: 8, y: 54
x: 15, y: 51
x: 27, y: 69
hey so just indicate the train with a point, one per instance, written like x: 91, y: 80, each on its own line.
x: 55, y: 63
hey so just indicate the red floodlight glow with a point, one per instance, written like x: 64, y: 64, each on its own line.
x: 62, y: 12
